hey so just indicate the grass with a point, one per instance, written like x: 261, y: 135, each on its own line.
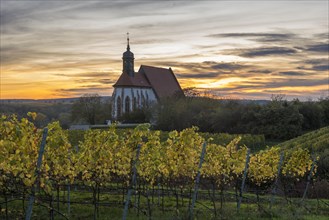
x: 111, y: 207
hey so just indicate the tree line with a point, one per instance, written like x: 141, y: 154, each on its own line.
x: 276, y: 119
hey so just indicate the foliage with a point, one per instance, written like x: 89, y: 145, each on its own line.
x: 96, y: 156
x: 279, y: 122
x: 46, y: 112
x: 19, y: 148
x: 298, y: 156
x: 106, y: 157
x: 264, y: 165
x: 19, y: 144
x: 316, y: 142
x: 182, y: 152
x: 60, y: 160
x: 276, y: 119
x: 103, y: 155
x: 137, y: 116
x: 179, y: 113
x: 89, y: 109
x: 254, y: 142
x: 224, y: 164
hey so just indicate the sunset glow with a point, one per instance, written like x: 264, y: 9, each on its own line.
x: 241, y: 49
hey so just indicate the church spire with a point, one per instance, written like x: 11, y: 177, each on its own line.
x: 128, y: 60
x: 128, y: 46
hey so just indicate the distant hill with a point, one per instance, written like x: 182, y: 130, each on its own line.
x: 247, y: 101
x: 60, y: 100
x: 315, y: 141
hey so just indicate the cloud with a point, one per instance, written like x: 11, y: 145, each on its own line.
x: 94, y: 74
x: 224, y: 66
x: 322, y: 36
x: 206, y: 67
x: 150, y: 41
x: 265, y: 71
x: 292, y: 73
x: 260, y: 37
x: 70, y: 43
x: 198, y: 75
x: 321, y: 67
x: 107, y: 81
x: 297, y: 83
x: 316, y: 61
x: 314, y: 64
x: 275, y: 84
x: 266, y: 51
x: 88, y: 89
x: 320, y: 48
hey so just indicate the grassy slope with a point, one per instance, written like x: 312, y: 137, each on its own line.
x: 315, y: 141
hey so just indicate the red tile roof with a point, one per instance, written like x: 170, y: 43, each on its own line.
x: 138, y: 80
x: 163, y: 81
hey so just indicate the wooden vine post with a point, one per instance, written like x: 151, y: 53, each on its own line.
x: 133, y: 181
x: 197, y: 180
x: 244, y: 179
x: 277, y: 179
x: 309, y: 179
x: 39, y: 162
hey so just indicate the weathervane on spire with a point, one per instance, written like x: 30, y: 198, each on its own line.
x: 128, y: 47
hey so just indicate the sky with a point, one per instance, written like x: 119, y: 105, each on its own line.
x: 232, y: 49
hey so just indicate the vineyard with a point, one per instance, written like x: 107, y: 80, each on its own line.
x: 316, y: 141
x: 139, y: 174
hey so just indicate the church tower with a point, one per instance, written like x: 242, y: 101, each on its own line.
x: 128, y: 61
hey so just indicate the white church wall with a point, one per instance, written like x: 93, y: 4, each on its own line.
x: 137, y: 93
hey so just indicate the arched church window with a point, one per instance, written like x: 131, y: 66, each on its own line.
x: 119, y: 104
x: 127, y: 105
x: 138, y: 100
x: 134, y: 104
x: 143, y: 101
x: 147, y: 100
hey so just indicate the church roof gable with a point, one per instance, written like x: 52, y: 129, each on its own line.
x: 163, y: 81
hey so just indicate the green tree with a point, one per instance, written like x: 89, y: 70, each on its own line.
x: 279, y: 121
x: 64, y: 120
x: 324, y: 103
x: 87, y: 108
x: 312, y: 115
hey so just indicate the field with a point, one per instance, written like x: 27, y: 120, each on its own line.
x: 173, y: 175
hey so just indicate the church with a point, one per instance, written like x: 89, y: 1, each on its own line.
x: 137, y: 90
